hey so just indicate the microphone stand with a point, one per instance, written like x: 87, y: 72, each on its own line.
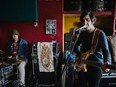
x: 68, y: 58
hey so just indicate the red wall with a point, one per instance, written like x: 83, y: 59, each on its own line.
x: 47, y: 9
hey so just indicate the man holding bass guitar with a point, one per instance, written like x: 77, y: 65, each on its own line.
x: 18, y: 49
x: 92, y: 43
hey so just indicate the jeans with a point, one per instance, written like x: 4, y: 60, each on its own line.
x: 91, y: 78
x: 21, y: 69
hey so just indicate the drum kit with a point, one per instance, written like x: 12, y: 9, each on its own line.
x: 9, y: 76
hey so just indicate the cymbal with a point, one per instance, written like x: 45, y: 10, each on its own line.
x: 11, y: 61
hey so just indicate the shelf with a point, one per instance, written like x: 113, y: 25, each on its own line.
x: 95, y: 12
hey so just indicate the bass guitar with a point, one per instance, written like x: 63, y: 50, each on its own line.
x: 80, y: 62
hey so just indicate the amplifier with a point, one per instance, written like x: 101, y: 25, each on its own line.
x: 108, y: 81
x: 56, y: 49
x: 45, y: 79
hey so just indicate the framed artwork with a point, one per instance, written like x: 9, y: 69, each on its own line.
x: 50, y: 26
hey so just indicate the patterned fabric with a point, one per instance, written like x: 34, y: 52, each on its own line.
x: 45, y: 56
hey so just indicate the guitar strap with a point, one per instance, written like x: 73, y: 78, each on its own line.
x: 95, y: 40
x: 94, y: 44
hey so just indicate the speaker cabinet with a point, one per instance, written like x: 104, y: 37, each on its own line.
x: 108, y: 81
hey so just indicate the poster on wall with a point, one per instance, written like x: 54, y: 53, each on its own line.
x: 50, y: 26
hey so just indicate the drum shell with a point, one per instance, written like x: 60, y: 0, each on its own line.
x: 6, y: 71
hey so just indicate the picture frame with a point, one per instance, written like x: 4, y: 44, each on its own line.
x: 50, y: 26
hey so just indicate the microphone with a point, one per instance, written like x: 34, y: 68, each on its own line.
x: 81, y: 28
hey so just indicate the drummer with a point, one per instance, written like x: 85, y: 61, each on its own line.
x: 18, y: 48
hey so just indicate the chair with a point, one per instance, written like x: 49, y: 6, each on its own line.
x: 112, y: 47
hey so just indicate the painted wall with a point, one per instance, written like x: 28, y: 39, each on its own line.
x: 48, y: 9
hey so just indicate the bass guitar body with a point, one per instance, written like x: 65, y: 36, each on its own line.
x: 80, y: 62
